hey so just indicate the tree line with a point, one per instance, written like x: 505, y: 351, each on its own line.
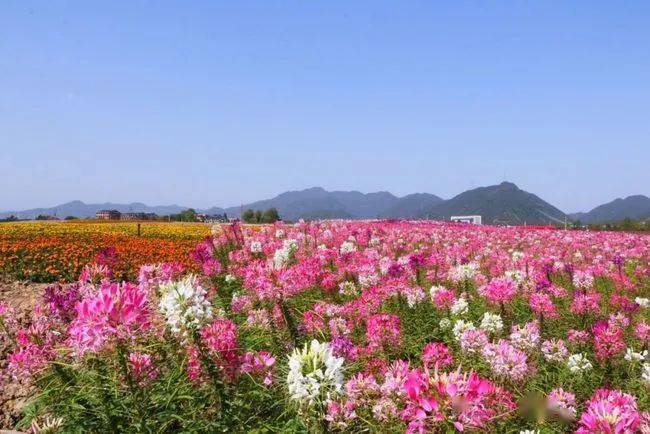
x: 269, y: 215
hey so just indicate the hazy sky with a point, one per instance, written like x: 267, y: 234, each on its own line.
x: 215, y: 103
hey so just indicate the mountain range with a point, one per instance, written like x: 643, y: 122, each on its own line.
x: 636, y: 207
x: 504, y: 203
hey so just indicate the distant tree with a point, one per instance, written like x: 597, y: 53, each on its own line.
x: 270, y: 216
x: 248, y: 216
x: 11, y: 218
x: 258, y: 216
x: 627, y: 224
x: 70, y: 217
x: 188, y: 215
x: 41, y: 217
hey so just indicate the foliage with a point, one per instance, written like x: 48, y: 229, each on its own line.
x: 269, y: 215
x: 188, y: 215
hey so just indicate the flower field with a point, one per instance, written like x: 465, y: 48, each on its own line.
x: 342, y: 326
x: 57, y: 251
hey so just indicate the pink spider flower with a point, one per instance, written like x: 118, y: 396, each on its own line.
x: 361, y: 388
x: 142, y: 369
x: 463, y: 399
x: 542, y: 305
x: 609, y: 340
x: 505, y: 360
x: 436, y: 354
x: 339, y: 415
x: 472, y: 341
x: 562, y: 403
x: 259, y: 364
x: 441, y: 297
x: 642, y: 332
x: 555, y: 350
x: 583, y: 279
x: 220, y: 340
x: 118, y: 311
x: 525, y: 338
x: 499, y: 290
x: 577, y: 337
x: 382, y: 331
x: 610, y: 411
x: 586, y: 303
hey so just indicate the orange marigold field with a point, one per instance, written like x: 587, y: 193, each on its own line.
x: 57, y: 251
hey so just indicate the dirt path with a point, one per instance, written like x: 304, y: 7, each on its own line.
x: 23, y: 296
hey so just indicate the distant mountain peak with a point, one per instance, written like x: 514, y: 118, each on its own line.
x: 314, y: 189
x: 504, y: 203
x: 505, y: 185
x: 636, y: 207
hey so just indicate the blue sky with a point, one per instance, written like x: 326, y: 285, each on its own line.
x: 217, y: 103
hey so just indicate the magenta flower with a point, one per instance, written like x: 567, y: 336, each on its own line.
x: 542, y: 305
x: 259, y: 365
x: 610, y: 411
x: 561, y: 403
x: 382, y: 331
x: 499, y: 290
x: 608, y: 340
x: 142, y: 369
x: 220, y: 340
x: 118, y: 311
x: 436, y: 354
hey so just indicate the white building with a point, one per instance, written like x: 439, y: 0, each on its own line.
x: 473, y: 219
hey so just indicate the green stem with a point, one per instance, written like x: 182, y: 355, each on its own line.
x: 291, y: 325
x: 208, y: 366
x: 135, y: 391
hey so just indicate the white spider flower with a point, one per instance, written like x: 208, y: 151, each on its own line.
x: 578, y: 363
x: 348, y: 288
x: 285, y: 254
x: 184, y: 305
x: 463, y: 272
x: 256, y: 247
x: 460, y: 326
x: 643, y: 302
x: 492, y: 322
x: 633, y: 356
x: 459, y: 307
x: 516, y: 275
x: 314, y: 373
x: 347, y: 247
x: 516, y: 255
x: 645, y: 373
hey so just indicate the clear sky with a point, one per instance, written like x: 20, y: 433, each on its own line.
x: 217, y: 103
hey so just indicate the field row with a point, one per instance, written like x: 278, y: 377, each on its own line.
x: 51, y: 252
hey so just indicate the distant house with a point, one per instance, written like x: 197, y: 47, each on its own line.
x: 138, y: 216
x: 473, y: 219
x: 108, y: 214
